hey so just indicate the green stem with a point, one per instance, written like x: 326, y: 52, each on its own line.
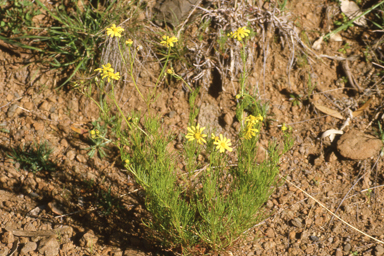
x: 161, y: 74
x: 131, y: 60
x: 121, y: 112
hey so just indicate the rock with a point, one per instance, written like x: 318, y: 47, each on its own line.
x: 8, y: 238
x: 269, y: 233
x: 81, y: 159
x: 292, y: 235
x: 71, y: 154
x: 28, y: 247
x: 12, y: 110
x: 339, y: 252
x: 357, y: 145
x: 89, y: 239
x: 228, y: 119
x: 297, y: 222
x: 379, y: 250
x: 67, y: 247
x: 314, y: 238
x: 38, y: 125
x: 49, y: 246
x: 4, y: 251
x: 44, y: 106
x: 28, y: 105
x: 347, y: 248
x: 209, y: 118
x: 173, y: 11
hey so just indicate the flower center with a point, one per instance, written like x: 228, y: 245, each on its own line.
x: 197, y: 136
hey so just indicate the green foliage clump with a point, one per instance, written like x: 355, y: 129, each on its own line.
x: 34, y: 158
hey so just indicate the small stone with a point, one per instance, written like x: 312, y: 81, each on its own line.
x: 49, y: 246
x: 228, y: 119
x: 357, y: 145
x: 28, y: 247
x: 89, y: 239
x: 314, y: 238
x: 71, y: 154
x: 297, y: 222
x: 269, y: 233
x: 339, y: 252
x: 67, y: 247
x: 379, y: 250
x: 73, y: 105
x: 54, y: 117
x: 347, y: 247
x: 44, y: 106
x: 292, y: 235
x: 12, y: 110
x: 81, y: 159
x: 9, y: 97
x: 28, y: 105
x: 8, y: 238
x: 4, y: 251
x: 269, y: 204
x: 172, y: 114
x: 38, y: 125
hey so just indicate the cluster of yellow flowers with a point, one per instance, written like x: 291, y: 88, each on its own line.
x: 239, y: 34
x: 94, y: 134
x: 251, y: 122
x: 168, y: 41
x: 108, y: 71
x: 113, y: 31
x: 196, y: 133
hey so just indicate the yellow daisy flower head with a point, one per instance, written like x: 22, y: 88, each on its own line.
x: 114, y: 31
x: 195, y: 133
x: 251, y: 132
x: 252, y: 119
x: 111, y: 75
x: 168, y: 41
x: 106, y: 68
x: 214, y: 137
x: 240, y: 33
x: 126, y: 161
x: 284, y: 127
x: 223, y: 144
x: 129, y: 42
x: 170, y: 71
x: 238, y: 96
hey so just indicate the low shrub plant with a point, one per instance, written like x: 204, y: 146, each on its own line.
x: 205, y: 197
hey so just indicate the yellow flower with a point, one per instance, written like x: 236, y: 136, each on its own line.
x: 240, y: 33
x: 223, y: 144
x: 251, y: 132
x: 111, y: 75
x: 168, y: 41
x: 170, y: 71
x: 126, y: 161
x: 106, y: 68
x: 253, y: 120
x: 94, y: 133
x: 238, y: 96
x: 214, y: 137
x: 114, y: 31
x: 284, y: 128
x: 129, y: 42
x: 195, y: 133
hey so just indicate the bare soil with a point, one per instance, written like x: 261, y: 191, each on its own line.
x: 67, y: 200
